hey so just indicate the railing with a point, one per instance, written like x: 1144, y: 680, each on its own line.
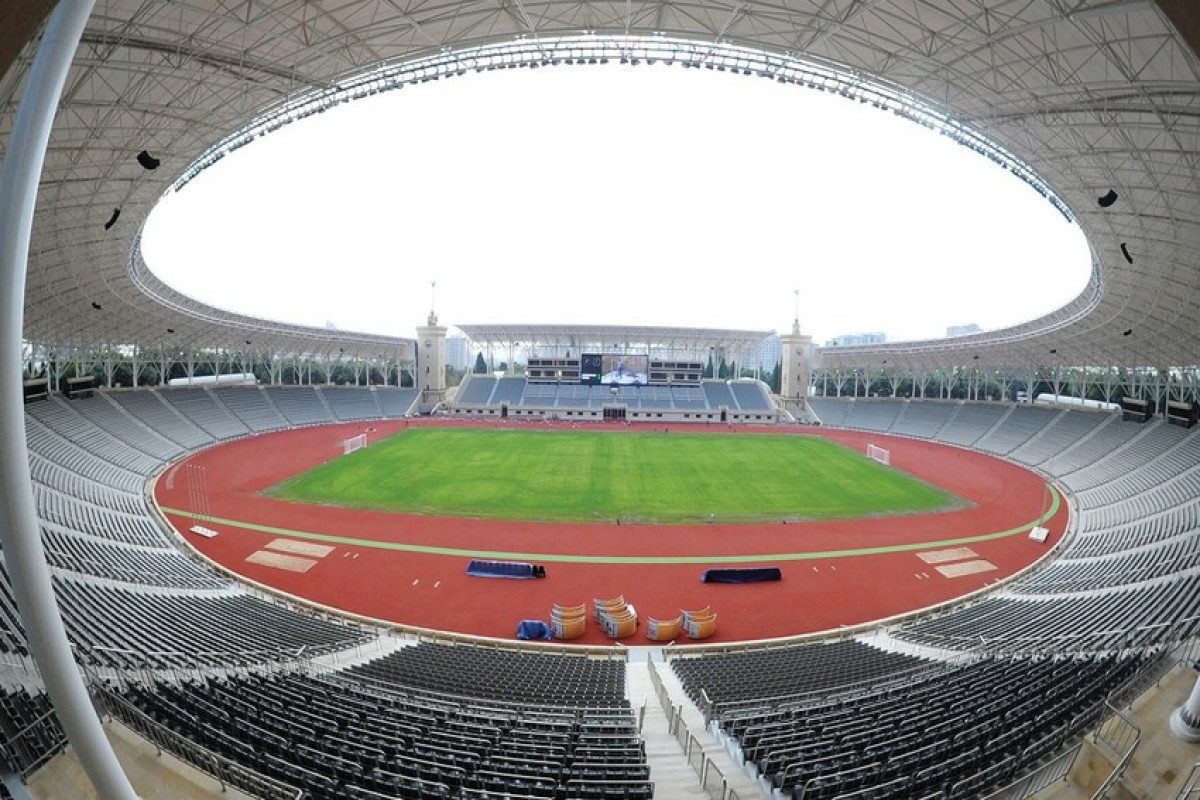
x: 1052, y: 771
x: 1121, y: 737
x: 712, y: 780
x: 664, y: 698
x: 1164, y: 633
x: 583, y: 787
x: 220, y: 768
x: 1190, y: 790
x: 898, y: 679
x: 36, y: 743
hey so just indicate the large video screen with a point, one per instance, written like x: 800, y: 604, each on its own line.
x: 614, y: 369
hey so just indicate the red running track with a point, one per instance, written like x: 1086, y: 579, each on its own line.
x: 821, y: 591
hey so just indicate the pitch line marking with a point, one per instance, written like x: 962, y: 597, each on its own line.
x: 566, y: 558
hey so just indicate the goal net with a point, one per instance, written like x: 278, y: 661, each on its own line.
x: 354, y: 443
x: 876, y: 453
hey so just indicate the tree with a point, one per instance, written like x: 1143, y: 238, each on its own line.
x: 480, y: 365
x: 774, y: 378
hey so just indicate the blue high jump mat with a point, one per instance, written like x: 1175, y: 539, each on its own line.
x: 505, y: 569
x: 742, y: 575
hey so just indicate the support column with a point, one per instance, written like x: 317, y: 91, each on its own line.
x: 1185, y: 722
x: 19, y: 532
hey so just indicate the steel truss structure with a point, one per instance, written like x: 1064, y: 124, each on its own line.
x: 1076, y: 97
x: 708, y: 346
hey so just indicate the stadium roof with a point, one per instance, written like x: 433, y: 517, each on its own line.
x: 1092, y: 94
x: 604, y: 336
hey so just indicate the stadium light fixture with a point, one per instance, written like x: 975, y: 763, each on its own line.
x: 148, y: 161
x: 591, y: 48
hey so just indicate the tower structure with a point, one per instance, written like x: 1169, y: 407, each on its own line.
x: 797, y: 366
x: 431, y: 362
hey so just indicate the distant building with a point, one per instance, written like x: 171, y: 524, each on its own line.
x: 770, y: 352
x: 458, y: 352
x: 853, y: 339
x: 962, y: 330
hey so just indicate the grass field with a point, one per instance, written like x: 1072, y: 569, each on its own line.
x: 641, y: 477
x: 567, y: 475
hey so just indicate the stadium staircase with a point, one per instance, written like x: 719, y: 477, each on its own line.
x: 676, y: 772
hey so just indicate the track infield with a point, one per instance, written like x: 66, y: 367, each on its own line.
x: 411, y: 569
x: 524, y: 473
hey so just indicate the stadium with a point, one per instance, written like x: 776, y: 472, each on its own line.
x: 137, y: 664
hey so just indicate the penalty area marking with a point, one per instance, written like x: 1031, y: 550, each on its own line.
x: 566, y: 558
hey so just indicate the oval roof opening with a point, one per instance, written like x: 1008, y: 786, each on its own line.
x: 617, y: 194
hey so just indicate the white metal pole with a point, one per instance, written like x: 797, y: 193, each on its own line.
x: 1185, y: 722
x: 19, y: 531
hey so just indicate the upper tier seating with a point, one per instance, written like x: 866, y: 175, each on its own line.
x: 751, y: 395
x: 476, y: 390
x: 350, y: 403
x: 251, y: 406
x: 301, y: 405
x: 200, y: 407
x: 153, y: 410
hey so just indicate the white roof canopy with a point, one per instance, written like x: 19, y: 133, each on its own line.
x: 1093, y: 95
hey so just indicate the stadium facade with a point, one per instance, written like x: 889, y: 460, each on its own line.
x: 1092, y: 103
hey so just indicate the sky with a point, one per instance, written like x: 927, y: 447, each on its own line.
x: 616, y: 195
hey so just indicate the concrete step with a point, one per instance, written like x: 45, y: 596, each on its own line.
x: 681, y: 774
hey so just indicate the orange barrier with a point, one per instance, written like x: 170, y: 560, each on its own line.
x: 663, y: 630
x: 568, y: 612
x: 700, y: 627
x: 601, y: 605
x: 619, y: 627
x: 568, y: 622
x: 568, y: 628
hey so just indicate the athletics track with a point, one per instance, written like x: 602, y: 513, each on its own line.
x: 411, y: 569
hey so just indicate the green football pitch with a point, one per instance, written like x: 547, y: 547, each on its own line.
x: 636, y: 477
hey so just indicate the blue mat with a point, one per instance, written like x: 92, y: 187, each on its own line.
x: 532, y: 629
x: 742, y: 575
x: 500, y: 569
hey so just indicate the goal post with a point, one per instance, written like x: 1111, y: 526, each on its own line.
x: 876, y: 453
x: 354, y: 443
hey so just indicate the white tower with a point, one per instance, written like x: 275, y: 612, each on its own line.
x: 431, y: 361
x: 797, y: 367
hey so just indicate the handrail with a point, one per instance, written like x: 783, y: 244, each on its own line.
x: 1027, y: 785
x: 1061, y: 645
x: 222, y: 769
x: 843, y: 691
x: 1190, y: 790
x: 46, y: 745
x: 1119, y: 697
x: 1122, y: 737
x: 618, y: 710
